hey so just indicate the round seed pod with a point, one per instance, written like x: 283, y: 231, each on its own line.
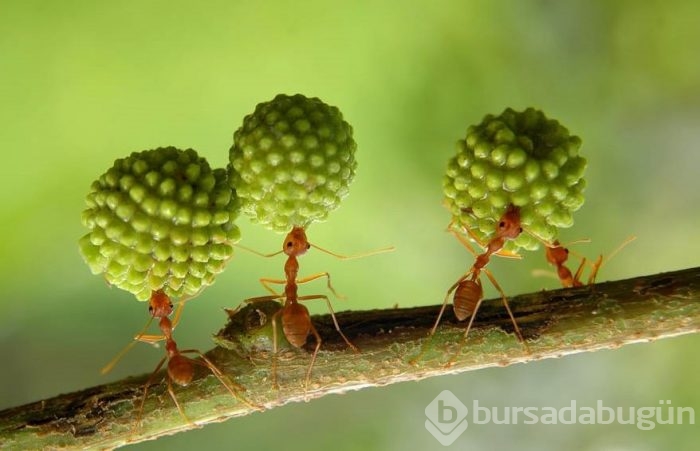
x: 160, y: 219
x: 292, y: 161
x: 516, y: 158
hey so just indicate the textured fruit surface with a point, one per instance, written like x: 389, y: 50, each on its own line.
x: 160, y: 219
x: 518, y: 158
x: 292, y: 161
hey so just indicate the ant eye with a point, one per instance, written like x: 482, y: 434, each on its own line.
x: 150, y: 309
x: 566, y: 250
x: 502, y: 224
x: 171, y: 305
x: 520, y: 230
x: 308, y: 246
x: 290, y: 244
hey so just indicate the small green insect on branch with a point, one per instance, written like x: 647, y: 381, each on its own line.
x: 554, y: 324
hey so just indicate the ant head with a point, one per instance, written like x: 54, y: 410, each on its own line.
x: 509, y: 225
x: 295, y: 243
x: 556, y: 254
x: 160, y: 306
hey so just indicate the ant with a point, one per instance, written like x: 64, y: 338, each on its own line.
x: 557, y: 254
x: 468, y: 290
x: 180, y: 368
x: 295, y: 318
x: 157, y: 308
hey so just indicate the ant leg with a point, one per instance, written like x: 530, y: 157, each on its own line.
x: 447, y: 298
x: 313, y: 356
x: 437, y: 321
x: 275, y: 385
x: 149, y: 382
x: 466, y: 333
x: 328, y: 283
x: 179, y: 407
x: 335, y: 321
x: 505, y: 303
x: 599, y: 262
x: 594, y: 271
x: 508, y: 254
x: 465, y: 242
x: 178, y: 313
x: 232, y: 387
x: 225, y: 381
x: 265, y: 283
x: 579, y: 270
x: 471, y: 320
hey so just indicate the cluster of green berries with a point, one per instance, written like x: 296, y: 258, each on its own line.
x: 516, y: 158
x: 162, y: 219
x: 292, y: 161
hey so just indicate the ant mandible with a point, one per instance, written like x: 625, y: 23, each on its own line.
x: 468, y: 290
x: 180, y: 368
x: 296, y: 321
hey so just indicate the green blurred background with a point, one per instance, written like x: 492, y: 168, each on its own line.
x: 83, y: 83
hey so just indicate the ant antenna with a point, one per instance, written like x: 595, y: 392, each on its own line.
x: 259, y: 254
x: 112, y: 363
x: 354, y: 256
x: 612, y: 254
x: 600, y: 261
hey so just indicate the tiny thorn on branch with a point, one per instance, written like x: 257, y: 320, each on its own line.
x: 554, y: 323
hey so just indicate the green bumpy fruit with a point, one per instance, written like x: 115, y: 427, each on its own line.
x: 160, y: 219
x: 518, y: 158
x: 292, y: 161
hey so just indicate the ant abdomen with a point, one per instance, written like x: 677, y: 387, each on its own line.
x: 466, y: 297
x: 296, y: 324
x: 180, y: 370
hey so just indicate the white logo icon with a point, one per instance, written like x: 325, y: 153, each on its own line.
x: 446, y: 418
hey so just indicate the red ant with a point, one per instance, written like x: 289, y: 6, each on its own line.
x: 180, y: 368
x: 296, y: 321
x: 468, y: 290
x: 557, y: 254
x: 157, y: 309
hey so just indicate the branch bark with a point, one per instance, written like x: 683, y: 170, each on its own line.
x: 555, y: 323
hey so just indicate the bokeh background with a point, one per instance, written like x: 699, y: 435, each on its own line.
x: 84, y: 83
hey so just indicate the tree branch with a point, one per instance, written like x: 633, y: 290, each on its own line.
x: 555, y: 323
